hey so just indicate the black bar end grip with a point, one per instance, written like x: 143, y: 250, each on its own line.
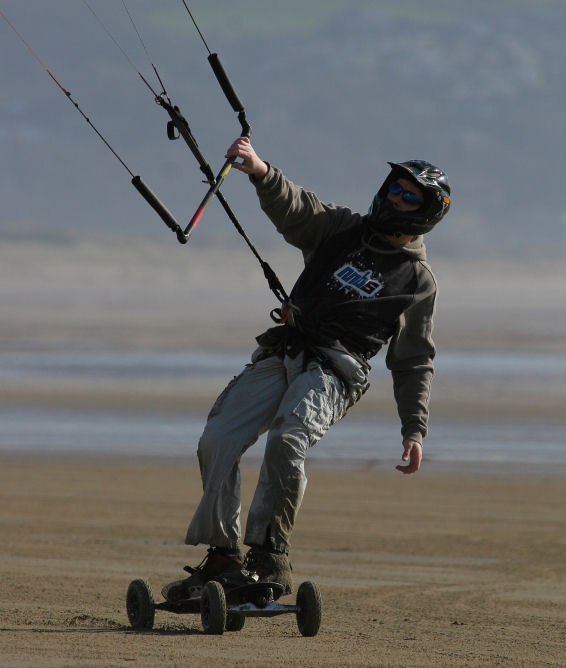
x: 158, y: 207
x: 224, y: 82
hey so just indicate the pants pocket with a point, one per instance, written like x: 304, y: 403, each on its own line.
x: 324, y: 403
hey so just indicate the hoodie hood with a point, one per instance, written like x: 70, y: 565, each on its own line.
x: 379, y: 243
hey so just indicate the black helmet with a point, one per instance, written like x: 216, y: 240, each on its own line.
x: 434, y: 185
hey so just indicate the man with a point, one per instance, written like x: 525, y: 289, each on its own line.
x: 365, y: 283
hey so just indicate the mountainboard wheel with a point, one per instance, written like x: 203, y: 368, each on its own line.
x: 309, y: 613
x: 140, y: 606
x: 235, y: 622
x: 213, y: 608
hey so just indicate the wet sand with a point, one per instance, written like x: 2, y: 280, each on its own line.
x: 146, y: 296
x: 167, y: 296
x: 429, y: 570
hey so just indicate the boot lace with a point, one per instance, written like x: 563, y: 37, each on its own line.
x: 195, y: 569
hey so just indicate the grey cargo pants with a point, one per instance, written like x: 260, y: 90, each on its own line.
x: 297, y: 407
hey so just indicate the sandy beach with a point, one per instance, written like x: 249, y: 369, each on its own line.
x: 432, y: 570
x: 444, y: 568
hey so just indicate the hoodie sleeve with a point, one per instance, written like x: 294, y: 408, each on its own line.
x: 410, y: 357
x: 299, y: 215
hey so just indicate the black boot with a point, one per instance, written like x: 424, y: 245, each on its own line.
x: 216, y: 562
x: 270, y: 567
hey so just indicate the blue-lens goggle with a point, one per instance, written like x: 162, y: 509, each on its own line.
x: 395, y: 188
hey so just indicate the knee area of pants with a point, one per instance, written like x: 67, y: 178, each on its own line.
x: 207, y: 446
x: 284, y: 453
x: 215, y: 442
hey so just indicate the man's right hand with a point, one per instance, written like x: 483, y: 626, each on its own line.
x: 251, y: 163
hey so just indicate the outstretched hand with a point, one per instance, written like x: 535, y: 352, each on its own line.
x: 251, y: 163
x: 412, y: 453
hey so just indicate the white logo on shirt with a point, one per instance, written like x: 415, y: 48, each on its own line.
x: 364, y: 284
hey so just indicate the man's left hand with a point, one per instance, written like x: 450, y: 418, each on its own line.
x: 412, y: 453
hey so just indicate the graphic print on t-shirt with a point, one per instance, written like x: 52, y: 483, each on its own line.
x: 362, y: 281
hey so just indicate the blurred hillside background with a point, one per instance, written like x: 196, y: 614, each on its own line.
x: 333, y: 89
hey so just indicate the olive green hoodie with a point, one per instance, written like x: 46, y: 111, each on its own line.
x: 358, y: 292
